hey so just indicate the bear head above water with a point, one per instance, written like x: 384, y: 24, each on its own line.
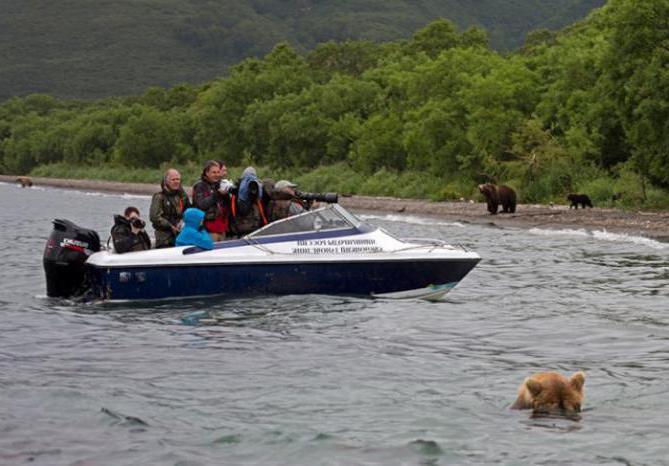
x: 550, y: 392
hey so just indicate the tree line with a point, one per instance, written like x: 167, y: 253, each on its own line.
x: 585, y: 108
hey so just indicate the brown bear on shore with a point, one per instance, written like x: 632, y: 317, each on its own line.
x: 550, y: 392
x: 25, y: 181
x: 495, y: 196
x: 577, y: 199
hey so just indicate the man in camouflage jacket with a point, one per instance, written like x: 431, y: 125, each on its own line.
x: 167, y: 208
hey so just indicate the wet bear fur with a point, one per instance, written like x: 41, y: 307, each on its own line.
x: 25, y: 181
x: 494, y: 196
x: 550, y: 392
x: 577, y: 199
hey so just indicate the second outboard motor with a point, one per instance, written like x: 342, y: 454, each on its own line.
x: 65, y: 253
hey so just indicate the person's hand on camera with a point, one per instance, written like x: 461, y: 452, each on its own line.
x: 137, y: 225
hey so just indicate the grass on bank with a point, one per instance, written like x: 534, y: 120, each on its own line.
x: 344, y: 179
x: 333, y: 178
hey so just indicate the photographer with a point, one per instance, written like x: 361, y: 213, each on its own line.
x: 211, y: 195
x: 285, y: 202
x: 128, y: 232
x: 248, y: 208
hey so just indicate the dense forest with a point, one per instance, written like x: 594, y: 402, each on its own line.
x: 584, y: 109
x: 101, y: 48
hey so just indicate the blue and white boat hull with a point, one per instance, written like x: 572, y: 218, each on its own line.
x: 372, y: 277
x: 327, y: 251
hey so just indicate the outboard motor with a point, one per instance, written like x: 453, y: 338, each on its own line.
x: 65, y: 253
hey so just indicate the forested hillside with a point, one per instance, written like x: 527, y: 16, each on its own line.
x: 585, y: 109
x: 93, y: 49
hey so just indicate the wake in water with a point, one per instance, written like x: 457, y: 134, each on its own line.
x: 410, y: 219
x: 602, y: 235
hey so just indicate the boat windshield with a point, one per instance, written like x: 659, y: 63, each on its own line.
x: 330, y: 217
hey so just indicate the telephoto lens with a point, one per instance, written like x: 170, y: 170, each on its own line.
x: 330, y: 198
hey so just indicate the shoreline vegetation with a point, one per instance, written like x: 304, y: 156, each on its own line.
x: 430, y: 117
x: 653, y: 225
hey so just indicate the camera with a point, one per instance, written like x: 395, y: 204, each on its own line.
x: 138, y: 223
x: 226, y: 186
x: 330, y: 198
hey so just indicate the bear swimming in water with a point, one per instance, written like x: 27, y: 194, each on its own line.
x: 577, y: 199
x: 550, y: 392
x: 495, y: 196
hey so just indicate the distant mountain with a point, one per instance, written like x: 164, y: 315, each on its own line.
x: 92, y: 49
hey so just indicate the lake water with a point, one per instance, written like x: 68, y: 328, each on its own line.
x: 324, y: 380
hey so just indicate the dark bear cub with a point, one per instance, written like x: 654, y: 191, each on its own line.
x: 577, y: 199
x: 495, y: 196
x: 24, y: 181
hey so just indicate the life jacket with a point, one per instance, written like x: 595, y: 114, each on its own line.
x: 221, y: 223
x: 174, y: 203
x: 245, y: 224
x: 217, y: 215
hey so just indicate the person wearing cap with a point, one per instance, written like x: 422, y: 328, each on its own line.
x: 285, y: 202
x: 212, y: 197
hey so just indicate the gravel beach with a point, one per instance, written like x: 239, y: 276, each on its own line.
x: 649, y: 224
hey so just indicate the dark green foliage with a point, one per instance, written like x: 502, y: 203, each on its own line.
x: 582, y: 109
x: 436, y: 37
x: 639, y: 57
x: 92, y: 49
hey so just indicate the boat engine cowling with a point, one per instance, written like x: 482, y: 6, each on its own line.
x: 66, y: 251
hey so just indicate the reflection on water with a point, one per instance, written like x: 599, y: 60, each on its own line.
x: 337, y: 380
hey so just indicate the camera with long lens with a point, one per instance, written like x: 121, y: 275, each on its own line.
x: 254, y: 187
x: 138, y: 223
x: 330, y: 198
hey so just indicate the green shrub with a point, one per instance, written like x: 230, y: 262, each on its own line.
x: 339, y: 177
x: 600, y: 190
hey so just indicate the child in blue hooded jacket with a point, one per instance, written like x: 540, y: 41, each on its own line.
x: 191, y: 235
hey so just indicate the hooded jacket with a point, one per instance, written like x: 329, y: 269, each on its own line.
x: 125, y: 240
x: 245, y: 199
x: 167, y: 208
x: 190, y: 234
x: 249, y: 212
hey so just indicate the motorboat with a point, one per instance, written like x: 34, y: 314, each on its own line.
x: 322, y: 251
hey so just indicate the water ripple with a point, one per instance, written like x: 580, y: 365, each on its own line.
x: 334, y: 380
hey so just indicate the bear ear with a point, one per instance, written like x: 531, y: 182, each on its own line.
x: 577, y: 380
x: 533, y: 386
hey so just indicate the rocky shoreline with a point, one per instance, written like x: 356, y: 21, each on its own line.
x: 649, y: 224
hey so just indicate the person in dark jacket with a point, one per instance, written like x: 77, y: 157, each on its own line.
x: 249, y: 209
x: 212, y: 197
x: 167, y: 208
x: 192, y: 234
x: 128, y: 232
x: 284, y: 201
